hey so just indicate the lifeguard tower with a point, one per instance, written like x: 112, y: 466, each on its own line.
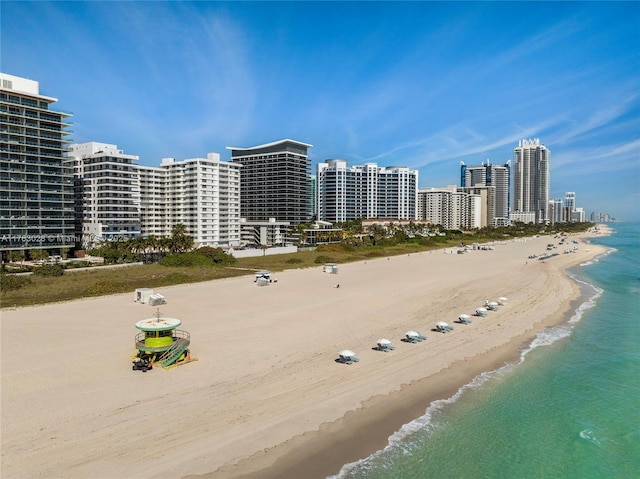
x: 161, y: 342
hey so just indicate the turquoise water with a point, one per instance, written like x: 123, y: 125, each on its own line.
x: 569, y: 409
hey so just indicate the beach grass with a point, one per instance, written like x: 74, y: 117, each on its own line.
x: 99, y: 281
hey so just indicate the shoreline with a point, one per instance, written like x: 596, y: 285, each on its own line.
x: 266, y: 394
x: 322, y: 453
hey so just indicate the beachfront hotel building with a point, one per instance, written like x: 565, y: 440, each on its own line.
x: 531, y: 182
x: 275, y: 181
x: 107, y: 193
x: 36, y: 186
x: 450, y: 207
x: 496, y: 176
x: 366, y: 191
x: 203, y: 194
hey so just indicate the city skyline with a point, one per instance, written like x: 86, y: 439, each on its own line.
x: 422, y: 85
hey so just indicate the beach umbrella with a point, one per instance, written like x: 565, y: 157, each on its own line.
x: 412, y: 334
x: 464, y: 317
x: 384, y: 342
x: 346, y: 353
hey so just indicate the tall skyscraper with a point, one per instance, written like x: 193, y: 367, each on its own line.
x: 274, y: 181
x: 36, y: 186
x: 531, y: 181
x: 498, y: 176
x: 367, y: 191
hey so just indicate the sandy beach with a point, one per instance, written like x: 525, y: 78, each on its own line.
x: 266, y: 397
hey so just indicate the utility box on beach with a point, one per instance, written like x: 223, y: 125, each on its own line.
x: 331, y: 268
x: 142, y: 295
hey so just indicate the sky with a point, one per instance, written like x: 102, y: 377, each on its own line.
x: 419, y: 84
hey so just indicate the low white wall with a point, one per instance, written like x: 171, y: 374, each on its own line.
x: 250, y: 253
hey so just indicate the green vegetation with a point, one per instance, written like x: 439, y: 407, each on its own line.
x: 55, y: 269
x: 207, y: 264
x: 10, y: 282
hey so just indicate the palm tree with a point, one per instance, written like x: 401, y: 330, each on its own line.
x: 181, y: 242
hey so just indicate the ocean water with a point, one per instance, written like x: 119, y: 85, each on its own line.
x: 570, y: 408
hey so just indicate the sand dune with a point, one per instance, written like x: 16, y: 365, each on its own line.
x: 266, y: 391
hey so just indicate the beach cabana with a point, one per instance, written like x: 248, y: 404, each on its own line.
x: 502, y: 301
x: 481, y: 312
x: 443, y: 327
x: 347, y: 356
x: 492, y: 306
x: 413, y: 337
x: 384, y: 345
x: 464, y: 319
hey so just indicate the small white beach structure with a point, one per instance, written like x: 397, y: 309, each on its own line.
x: 413, y: 337
x: 481, y: 312
x: 346, y: 356
x: 263, y: 275
x: 384, y: 345
x: 464, y: 319
x: 502, y: 301
x: 443, y: 327
x: 331, y: 268
x: 156, y: 299
x: 142, y: 295
x: 492, y: 306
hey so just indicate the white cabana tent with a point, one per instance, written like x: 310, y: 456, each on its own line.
x: 464, y: 318
x: 414, y: 337
x: 347, y: 356
x: 492, y: 306
x: 384, y: 345
x: 502, y: 300
x: 443, y: 327
x: 481, y: 312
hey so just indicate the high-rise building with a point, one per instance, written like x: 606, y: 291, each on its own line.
x: 450, y: 207
x: 203, y: 194
x: 498, y: 176
x: 570, y: 200
x: 556, y: 211
x: 367, y: 191
x: 107, y: 184
x: 275, y: 181
x: 487, y: 197
x: 531, y: 181
x: 36, y: 186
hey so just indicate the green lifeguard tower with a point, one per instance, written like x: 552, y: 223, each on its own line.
x: 161, y: 342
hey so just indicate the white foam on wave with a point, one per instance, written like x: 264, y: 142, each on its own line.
x: 397, y: 441
x: 590, y: 436
x: 550, y: 335
x: 597, y: 258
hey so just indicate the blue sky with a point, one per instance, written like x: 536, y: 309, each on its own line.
x: 420, y: 84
